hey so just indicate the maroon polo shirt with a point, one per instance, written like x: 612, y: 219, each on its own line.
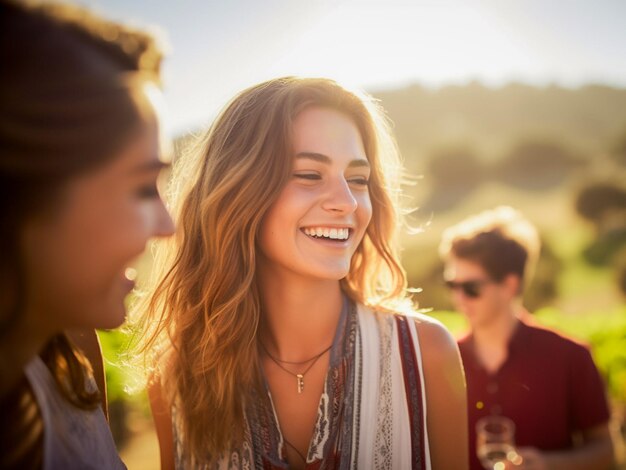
x: 548, y: 385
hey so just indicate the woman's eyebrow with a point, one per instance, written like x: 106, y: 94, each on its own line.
x: 318, y: 157
x: 359, y: 162
x: 321, y: 158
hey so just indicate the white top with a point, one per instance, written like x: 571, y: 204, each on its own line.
x: 389, y: 435
x: 73, y: 438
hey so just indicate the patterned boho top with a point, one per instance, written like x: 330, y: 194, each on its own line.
x: 372, y: 412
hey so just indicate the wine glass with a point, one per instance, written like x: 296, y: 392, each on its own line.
x: 495, y: 442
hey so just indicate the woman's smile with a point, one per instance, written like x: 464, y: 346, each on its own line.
x: 332, y: 233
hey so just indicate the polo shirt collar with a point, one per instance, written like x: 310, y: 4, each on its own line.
x: 517, y: 342
x: 520, y: 336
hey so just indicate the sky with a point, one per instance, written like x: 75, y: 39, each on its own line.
x: 218, y: 48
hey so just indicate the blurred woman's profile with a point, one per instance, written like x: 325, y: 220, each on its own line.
x: 79, y: 161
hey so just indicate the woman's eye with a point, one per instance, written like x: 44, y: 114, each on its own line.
x: 307, y: 176
x: 362, y: 181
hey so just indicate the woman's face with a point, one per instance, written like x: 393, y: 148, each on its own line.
x: 77, y: 254
x: 321, y: 215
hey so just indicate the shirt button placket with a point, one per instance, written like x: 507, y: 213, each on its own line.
x: 492, y: 390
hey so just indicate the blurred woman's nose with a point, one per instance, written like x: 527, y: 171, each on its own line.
x: 164, y: 226
x: 340, y: 197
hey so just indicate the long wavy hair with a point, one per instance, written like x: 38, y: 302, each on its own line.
x: 200, y: 315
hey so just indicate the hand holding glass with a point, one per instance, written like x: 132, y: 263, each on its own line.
x: 495, y: 442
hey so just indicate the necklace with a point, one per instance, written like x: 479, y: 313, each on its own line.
x: 298, y: 453
x: 299, y: 377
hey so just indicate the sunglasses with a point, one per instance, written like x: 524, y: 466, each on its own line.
x: 471, y: 289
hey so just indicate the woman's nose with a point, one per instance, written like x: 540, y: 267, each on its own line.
x: 340, y: 198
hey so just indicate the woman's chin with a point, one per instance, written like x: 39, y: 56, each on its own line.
x: 114, y: 318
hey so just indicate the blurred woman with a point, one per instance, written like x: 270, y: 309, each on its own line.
x: 275, y: 321
x: 79, y: 160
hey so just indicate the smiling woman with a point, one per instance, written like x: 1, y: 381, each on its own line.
x: 274, y: 324
x: 79, y: 159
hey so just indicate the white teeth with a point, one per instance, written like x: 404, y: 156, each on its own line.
x: 332, y: 233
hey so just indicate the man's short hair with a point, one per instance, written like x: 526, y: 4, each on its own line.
x: 500, y: 240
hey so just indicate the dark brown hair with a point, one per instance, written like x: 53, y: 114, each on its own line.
x: 501, y: 240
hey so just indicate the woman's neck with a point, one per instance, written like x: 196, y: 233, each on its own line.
x: 299, y: 317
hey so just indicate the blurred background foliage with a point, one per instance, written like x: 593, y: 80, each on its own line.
x: 557, y: 154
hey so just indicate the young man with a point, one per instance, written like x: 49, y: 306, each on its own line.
x: 547, y: 384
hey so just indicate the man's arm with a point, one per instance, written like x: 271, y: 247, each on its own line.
x: 590, y: 411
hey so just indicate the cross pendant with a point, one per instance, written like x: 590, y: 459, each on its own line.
x: 300, y: 378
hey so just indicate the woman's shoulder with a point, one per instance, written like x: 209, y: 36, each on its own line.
x: 432, y: 335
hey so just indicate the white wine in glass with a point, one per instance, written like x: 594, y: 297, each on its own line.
x: 495, y: 442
